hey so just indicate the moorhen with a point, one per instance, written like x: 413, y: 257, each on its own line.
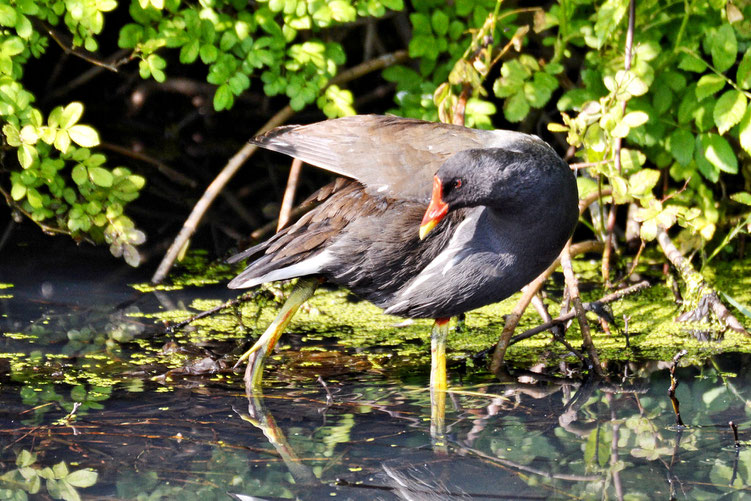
x: 430, y: 221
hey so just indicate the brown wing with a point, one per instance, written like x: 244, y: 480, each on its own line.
x: 391, y: 156
x: 341, y: 201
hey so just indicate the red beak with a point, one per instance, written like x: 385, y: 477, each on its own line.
x: 437, y: 209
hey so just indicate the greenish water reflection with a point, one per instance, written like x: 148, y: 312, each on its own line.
x: 370, y: 439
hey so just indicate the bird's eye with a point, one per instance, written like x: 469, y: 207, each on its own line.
x: 457, y: 183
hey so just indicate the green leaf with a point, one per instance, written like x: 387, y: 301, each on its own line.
x: 420, y: 23
x: 680, y: 144
x: 101, y: 177
x: 130, y: 35
x: 25, y: 458
x: 708, y: 85
x: 17, y: 191
x: 223, y: 98
x: 516, y: 108
x: 79, y: 174
x: 704, y: 116
x: 12, y: 135
x: 84, y: 135
x: 26, y: 155
x: 662, y: 99
x: 440, y: 22
x: 743, y: 76
x: 29, y: 134
x: 131, y: 255
x: 635, y: 118
x: 82, y: 478
x: 631, y: 159
x: 729, y: 110
x: 189, y: 51
x: 7, y: 15
x: 642, y: 182
x: 71, y: 114
x: 723, y: 47
x: 648, y: 230
x: 744, y: 131
x: 742, y: 197
x: 631, y: 83
x: 34, y: 198
x: 23, y: 27
x: 12, y: 46
x: 393, y: 4
x: 714, y: 154
x: 675, y: 80
x: 62, y: 141
x: 690, y: 62
x: 737, y: 305
x: 608, y: 16
x: 208, y: 53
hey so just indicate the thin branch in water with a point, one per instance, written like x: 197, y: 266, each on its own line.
x: 673, y: 385
x: 227, y: 304
x: 734, y: 428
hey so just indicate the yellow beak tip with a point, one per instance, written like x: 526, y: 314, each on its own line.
x: 426, y: 228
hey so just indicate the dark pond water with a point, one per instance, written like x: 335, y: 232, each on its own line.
x: 80, y: 419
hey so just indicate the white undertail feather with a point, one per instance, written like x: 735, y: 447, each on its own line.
x: 310, y: 266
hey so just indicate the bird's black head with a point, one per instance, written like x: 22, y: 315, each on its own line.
x: 504, y: 178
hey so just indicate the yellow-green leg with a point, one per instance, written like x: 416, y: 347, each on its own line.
x: 438, y: 383
x: 256, y: 356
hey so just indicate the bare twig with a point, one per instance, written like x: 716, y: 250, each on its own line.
x: 700, y: 292
x: 271, y: 226
x: 562, y: 319
x: 289, y: 193
x: 585, y: 202
x: 617, y: 153
x: 66, y: 45
x: 584, y: 165
x: 216, y: 186
x: 115, y: 60
x: 166, y: 170
x: 573, y: 288
x: 734, y: 428
x: 49, y: 230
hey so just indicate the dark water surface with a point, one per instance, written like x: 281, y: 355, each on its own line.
x: 72, y: 402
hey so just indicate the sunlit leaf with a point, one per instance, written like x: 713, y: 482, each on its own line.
x: 729, y: 110
x: 708, y: 85
x: 84, y: 135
